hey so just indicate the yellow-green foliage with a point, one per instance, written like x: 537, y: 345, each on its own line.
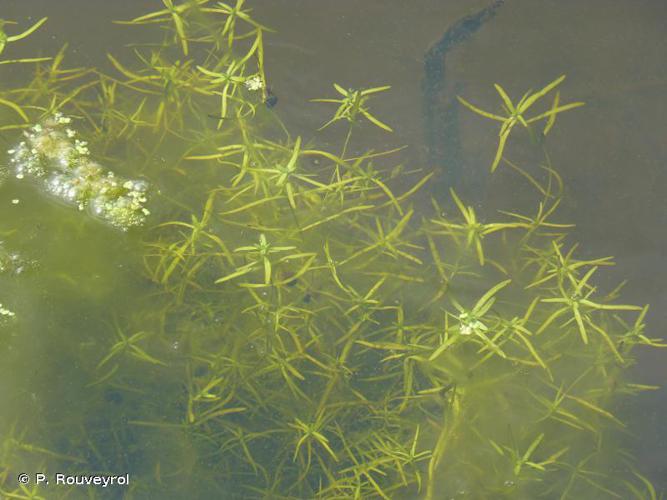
x: 305, y: 329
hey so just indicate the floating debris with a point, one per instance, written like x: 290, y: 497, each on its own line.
x: 6, y: 315
x: 52, y: 153
x: 12, y: 263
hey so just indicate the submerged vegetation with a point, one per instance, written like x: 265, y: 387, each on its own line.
x: 305, y: 327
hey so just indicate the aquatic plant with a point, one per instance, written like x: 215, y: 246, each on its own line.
x: 52, y: 153
x: 516, y: 111
x: 304, y: 328
x: 7, y: 39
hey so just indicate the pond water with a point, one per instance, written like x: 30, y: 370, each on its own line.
x: 189, y: 363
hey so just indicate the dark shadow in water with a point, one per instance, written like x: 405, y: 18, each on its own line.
x: 440, y: 107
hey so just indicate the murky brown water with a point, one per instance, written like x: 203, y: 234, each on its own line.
x: 612, y: 153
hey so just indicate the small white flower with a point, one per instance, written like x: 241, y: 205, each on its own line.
x: 469, y: 325
x: 15, y: 201
x: 466, y: 329
x: 255, y: 83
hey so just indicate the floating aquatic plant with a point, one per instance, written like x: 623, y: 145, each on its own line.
x: 52, y: 153
x: 352, y: 106
x: 515, y: 113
